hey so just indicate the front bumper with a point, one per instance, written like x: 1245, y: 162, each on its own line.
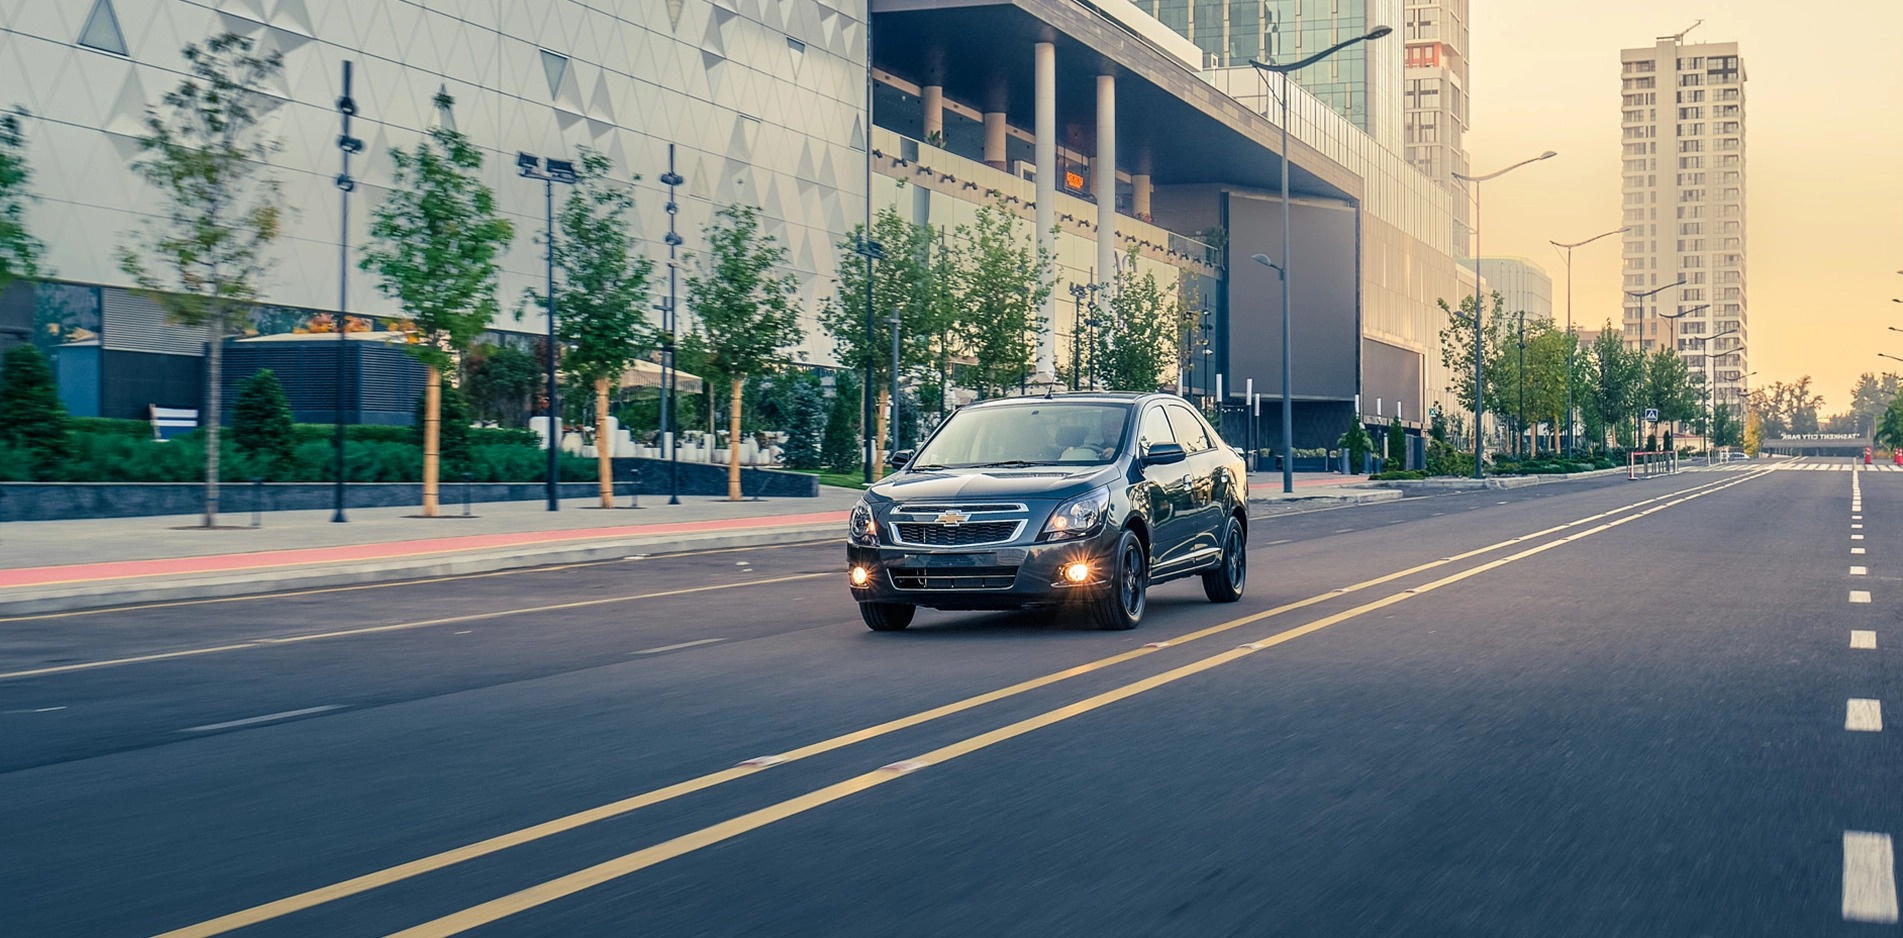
x: 1010, y: 577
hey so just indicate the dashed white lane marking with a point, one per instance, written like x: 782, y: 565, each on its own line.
x: 1869, y: 878
x: 1863, y: 638
x: 267, y: 718
x: 34, y: 710
x: 1863, y: 715
x: 656, y: 651
x: 1859, y: 571
x: 1859, y: 596
x: 1856, y: 550
x: 1856, y: 537
x: 1856, y: 527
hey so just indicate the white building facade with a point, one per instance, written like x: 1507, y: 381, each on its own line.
x: 1682, y: 119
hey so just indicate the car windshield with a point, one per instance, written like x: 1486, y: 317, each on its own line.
x: 1027, y: 435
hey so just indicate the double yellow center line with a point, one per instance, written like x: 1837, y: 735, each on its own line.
x: 641, y: 859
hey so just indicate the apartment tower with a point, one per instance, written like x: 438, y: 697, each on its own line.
x: 1434, y: 101
x: 1682, y: 120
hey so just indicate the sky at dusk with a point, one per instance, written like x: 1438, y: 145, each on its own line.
x: 1823, y: 163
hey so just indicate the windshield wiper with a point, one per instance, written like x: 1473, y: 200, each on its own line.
x: 1007, y: 464
x: 931, y: 467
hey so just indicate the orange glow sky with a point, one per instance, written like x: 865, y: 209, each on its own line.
x: 1823, y: 152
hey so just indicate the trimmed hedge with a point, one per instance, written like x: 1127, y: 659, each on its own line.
x: 116, y: 456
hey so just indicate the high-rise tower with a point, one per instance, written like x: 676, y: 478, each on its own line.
x: 1434, y: 100
x: 1682, y: 119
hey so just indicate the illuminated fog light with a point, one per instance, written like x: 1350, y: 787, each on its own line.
x: 1077, y: 572
x: 859, y: 576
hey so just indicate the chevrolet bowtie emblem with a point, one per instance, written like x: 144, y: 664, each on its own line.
x: 953, y: 517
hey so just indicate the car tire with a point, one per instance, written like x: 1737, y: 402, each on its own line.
x: 1120, y: 606
x: 1224, y: 584
x: 887, y: 617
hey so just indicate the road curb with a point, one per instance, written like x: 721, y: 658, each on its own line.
x: 1494, y: 482
x: 1306, y: 501
x: 100, y: 594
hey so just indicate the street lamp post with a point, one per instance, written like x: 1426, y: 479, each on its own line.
x: 347, y: 107
x: 1479, y: 375
x: 670, y: 372
x: 872, y: 251
x: 895, y: 384
x: 1288, y: 358
x: 1710, y: 396
x: 1641, y: 296
x: 1568, y: 248
x: 1077, y: 292
x: 550, y: 172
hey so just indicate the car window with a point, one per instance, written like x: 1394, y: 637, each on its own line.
x: 1189, y: 428
x: 1155, y: 429
x: 1053, y: 433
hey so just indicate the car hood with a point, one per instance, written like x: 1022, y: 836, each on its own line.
x: 1030, y: 482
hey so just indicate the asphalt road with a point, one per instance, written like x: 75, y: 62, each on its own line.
x: 1587, y: 708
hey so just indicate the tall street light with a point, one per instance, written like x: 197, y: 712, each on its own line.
x: 1568, y: 248
x: 1288, y: 358
x: 1479, y: 383
x: 1710, y: 397
x: 670, y: 372
x: 562, y: 171
x: 1641, y: 296
x: 347, y: 107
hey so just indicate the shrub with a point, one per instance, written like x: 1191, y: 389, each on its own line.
x: 1399, y: 475
x: 839, y: 445
x: 261, y: 420
x: 1357, y: 442
x: 805, y: 428
x: 110, y: 426
x: 1397, y: 443
x: 1444, y: 459
x: 31, y: 415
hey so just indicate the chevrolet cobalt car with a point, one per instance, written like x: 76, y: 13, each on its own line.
x: 1078, y: 500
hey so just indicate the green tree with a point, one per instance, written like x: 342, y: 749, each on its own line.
x: 1457, y: 356
x: 600, y: 308
x: 1724, y: 427
x: 1890, y: 426
x: 902, y: 285
x: 498, y: 380
x: 1002, y: 278
x: 1870, y: 397
x: 434, y: 244
x: 203, y: 259
x: 20, y: 252
x: 1137, y: 349
x: 261, y: 424
x: 31, y: 415
x: 1397, y: 444
x: 1753, y: 433
x: 805, y: 426
x: 1669, y: 388
x: 1620, y: 375
x: 839, y: 446
x: 746, y: 311
x: 1357, y: 442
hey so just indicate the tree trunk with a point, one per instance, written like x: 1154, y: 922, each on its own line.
x: 214, y: 403
x: 604, y: 446
x: 432, y: 435
x: 733, y: 441
x: 878, y: 448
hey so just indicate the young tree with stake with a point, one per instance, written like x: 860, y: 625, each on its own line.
x: 203, y: 261
x: 434, y: 245
x: 602, y: 325
x: 746, y: 312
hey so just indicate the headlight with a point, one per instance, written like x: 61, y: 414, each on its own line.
x: 1079, y: 517
x: 861, y: 528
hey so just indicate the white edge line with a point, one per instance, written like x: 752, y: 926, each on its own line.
x: 656, y: 651
x: 267, y: 718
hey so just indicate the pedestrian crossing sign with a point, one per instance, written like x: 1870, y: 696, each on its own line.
x: 1651, y: 415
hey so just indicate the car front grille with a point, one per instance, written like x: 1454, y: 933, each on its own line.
x: 953, y: 578
x: 932, y: 534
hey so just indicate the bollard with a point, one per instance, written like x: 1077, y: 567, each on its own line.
x: 257, y: 501
x: 634, y: 485
x: 466, y: 477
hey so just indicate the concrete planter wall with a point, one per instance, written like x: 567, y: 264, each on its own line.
x: 60, y: 501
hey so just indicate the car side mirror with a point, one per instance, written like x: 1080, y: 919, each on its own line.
x: 1162, y: 454
x: 902, y: 458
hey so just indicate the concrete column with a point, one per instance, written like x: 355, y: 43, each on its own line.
x: 1104, y: 186
x: 994, y: 141
x: 934, y: 102
x: 1140, y: 197
x: 1046, y: 129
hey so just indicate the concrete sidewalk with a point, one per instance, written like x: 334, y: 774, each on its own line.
x: 48, y: 566
x: 1313, y: 490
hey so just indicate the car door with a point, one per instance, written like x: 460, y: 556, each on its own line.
x: 1201, y: 514
x: 1164, y: 488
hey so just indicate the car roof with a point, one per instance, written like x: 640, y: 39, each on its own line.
x: 1076, y: 397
